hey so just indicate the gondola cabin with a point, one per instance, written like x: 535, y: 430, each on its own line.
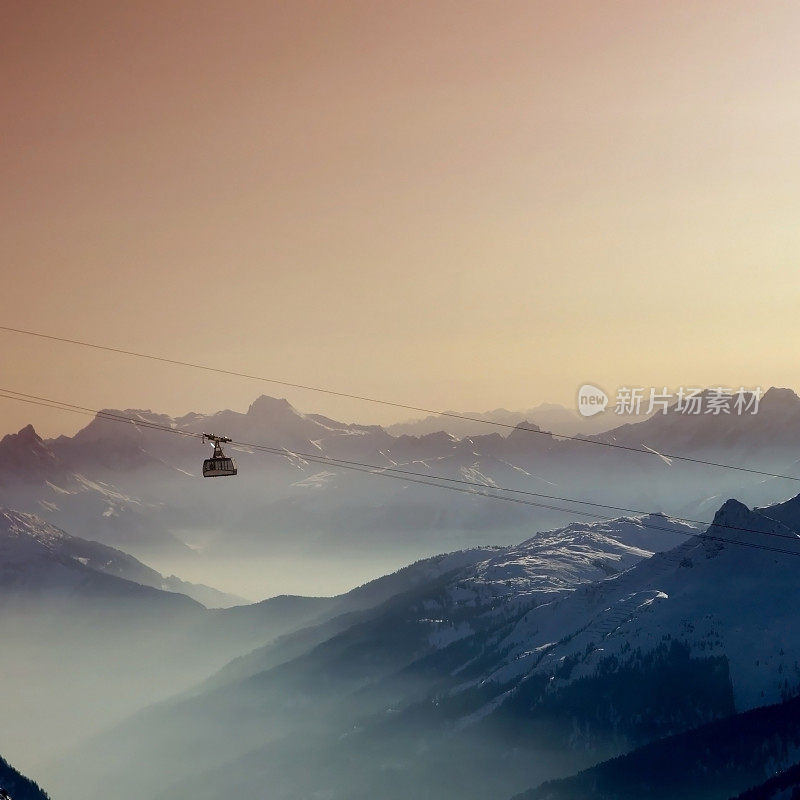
x: 219, y: 465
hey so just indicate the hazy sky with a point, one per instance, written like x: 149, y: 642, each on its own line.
x: 453, y: 204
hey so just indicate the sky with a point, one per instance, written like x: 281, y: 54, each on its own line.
x: 457, y: 205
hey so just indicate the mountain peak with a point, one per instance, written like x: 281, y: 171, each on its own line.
x: 24, y: 435
x: 780, y: 395
x: 25, y: 456
x: 731, y: 508
x: 266, y: 407
x: 526, y: 426
x: 520, y: 436
x: 735, y: 522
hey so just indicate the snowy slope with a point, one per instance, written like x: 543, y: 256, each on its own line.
x: 35, y: 477
x: 581, y: 552
x: 550, y: 656
x: 718, y: 599
x: 28, y: 543
x: 449, y: 615
x: 549, y: 564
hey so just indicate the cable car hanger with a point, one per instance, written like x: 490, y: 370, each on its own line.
x: 219, y: 465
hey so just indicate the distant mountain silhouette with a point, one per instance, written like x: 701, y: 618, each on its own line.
x: 135, y: 488
x: 775, y: 426
x: 29, y: 545
x: 530, y: 663
x: 548, y: 416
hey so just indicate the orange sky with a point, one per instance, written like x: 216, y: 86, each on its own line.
x: 452, y: 204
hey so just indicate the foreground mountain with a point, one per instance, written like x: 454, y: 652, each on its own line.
x: 783, y: 786
x: 545, y: 566
x: 739, y: 754
x: 17, y: 786
x: 363, y: 669
x: 545, y: 659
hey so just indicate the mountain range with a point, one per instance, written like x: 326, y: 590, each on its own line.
x: 94, y: 645
x: 547, y: 416
x: 488, y: 669
x: 523, y: 665
x: 135, y: 488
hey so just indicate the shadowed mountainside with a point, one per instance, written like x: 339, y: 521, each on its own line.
x: 17, y: 786
x: 497, y: 663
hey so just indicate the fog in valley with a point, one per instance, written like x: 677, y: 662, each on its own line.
x: 301, y: 627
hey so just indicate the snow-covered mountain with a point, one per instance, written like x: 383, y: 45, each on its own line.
x: 137, y: 489
x: 38, y: 556
x: 701, y: 594
x: 544, y: 658
x: 39, y: 562
x: 497, y: 652
x: 548, y: 564
x: 35, y: 477
x: 462, y: 601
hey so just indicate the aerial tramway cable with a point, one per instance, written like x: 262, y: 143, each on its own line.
x: 407, y: 407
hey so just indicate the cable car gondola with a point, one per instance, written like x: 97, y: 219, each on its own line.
x: 219, y: 465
